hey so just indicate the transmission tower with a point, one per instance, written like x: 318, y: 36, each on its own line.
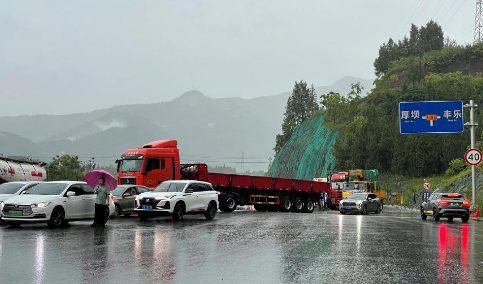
x: 479, y: 21
x: 242, y: 161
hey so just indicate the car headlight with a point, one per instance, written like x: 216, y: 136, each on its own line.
x: 40, y: 205
x: 1, y: 203
x: 164, y: 197
x: 139, y: 197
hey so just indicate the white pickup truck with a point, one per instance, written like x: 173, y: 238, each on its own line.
x: 177, y: 198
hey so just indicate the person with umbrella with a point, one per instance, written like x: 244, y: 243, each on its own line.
x: 103, y: 183
x: 102, y: 201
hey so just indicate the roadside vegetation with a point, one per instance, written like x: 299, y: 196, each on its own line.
x: 423, y: 67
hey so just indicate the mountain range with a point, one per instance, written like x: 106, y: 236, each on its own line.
x: 215, y: 131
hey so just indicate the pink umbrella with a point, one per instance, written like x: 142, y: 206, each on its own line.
x: 92, y: 179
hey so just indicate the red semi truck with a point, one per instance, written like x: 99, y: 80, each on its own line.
x: 159, y: 161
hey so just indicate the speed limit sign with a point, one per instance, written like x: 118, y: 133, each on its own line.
x: 473, y: 157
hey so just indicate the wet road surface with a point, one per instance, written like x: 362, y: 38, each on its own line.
x: 247, y: 247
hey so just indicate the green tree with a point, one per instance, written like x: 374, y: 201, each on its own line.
x: 68, y: 167
x: 425, y: 39
x: 456, y: 166
x: 300, y: 106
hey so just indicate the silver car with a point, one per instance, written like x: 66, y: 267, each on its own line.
x: 361, y: 203
x: 124, y: 198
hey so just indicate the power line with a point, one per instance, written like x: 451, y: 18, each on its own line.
x: 438, y: 7
x: 401, y: 32
x: 449, y: 10
x: 461, y: 5
x: 422, y: 10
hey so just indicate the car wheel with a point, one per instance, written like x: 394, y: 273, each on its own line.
x: 364, y: 210
x: 56, y: 218
x: 309, y: 206
x: 143, y: 217
x: 378, y: 210
x: 450, y: 219
x: 465, y: 218
x: 14, y: 224
x: 436, y: 216
x: 117, y: 211
x: 286, y: 204
x: 178, y: 212
x: 298, y: 205
x: 211, y: 211
x: 423, y: 215
x: 229, y: 203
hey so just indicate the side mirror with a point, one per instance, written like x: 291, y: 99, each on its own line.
x: 188, y: 191
x: 70, y: 193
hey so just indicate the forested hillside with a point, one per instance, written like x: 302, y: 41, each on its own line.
x: 369, y: 129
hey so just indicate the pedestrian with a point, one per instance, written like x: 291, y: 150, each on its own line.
x: 102, y: 203
x: 321, y: 200
x: 326, y: 200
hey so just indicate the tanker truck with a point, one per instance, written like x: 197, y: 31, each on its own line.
x: 17, y: 170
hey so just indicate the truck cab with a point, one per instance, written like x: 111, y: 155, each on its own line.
x: 150, y: 165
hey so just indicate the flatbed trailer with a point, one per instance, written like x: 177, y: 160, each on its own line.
x: 159, y: 161
x: 265, y: 193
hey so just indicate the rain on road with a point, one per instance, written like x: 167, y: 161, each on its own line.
x: 247, y: 247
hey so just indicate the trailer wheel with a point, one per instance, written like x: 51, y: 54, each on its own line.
x: 260, y: 207
x: 309, y: 206
x: 286, y: 204
x: 228, y: 203
x: 298, y: 205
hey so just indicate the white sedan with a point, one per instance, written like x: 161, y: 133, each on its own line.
x: 55, y: 203
x: 10, y: 189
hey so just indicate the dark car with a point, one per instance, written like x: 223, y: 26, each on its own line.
x: 446, y: 205
x: 124, y: 198
x: 361, y: 203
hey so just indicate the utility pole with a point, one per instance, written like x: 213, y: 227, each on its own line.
x: 479, y: 22
x: 472, y: 124
x: 242, y: 161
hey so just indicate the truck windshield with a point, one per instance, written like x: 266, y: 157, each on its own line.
x: 130, y: 165
x: 170, y: 187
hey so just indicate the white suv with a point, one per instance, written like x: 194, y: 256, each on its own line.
x: 177, y: 198
x: 56, y: 203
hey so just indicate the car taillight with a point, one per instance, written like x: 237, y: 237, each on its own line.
x: 112, y: 197
x: 466, y: 203
x: 443, y: 202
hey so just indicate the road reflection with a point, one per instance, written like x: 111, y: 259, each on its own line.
x: 451, y: 259
x: 39, y: 260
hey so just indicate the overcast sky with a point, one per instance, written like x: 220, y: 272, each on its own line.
x: 60, y: 57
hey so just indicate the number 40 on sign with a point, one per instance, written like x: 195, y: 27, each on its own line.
x: 473, y: 157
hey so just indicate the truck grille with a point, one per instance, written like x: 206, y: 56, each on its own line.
x: 26, y: 209
x: 128, y: 180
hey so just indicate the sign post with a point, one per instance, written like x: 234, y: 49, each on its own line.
x: 472, y: 124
